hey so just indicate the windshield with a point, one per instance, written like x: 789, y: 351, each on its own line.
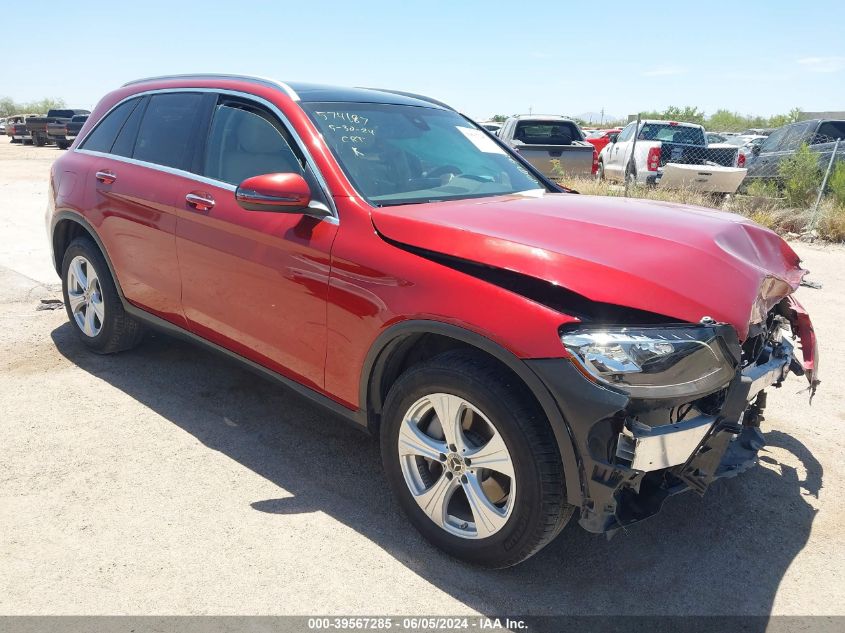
x: 397, y: 154
x: 672, y: 133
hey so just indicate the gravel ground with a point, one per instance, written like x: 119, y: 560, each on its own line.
x: 169, y: 481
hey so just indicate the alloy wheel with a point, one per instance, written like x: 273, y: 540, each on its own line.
x: 85, y: 296
x: 457, y: 466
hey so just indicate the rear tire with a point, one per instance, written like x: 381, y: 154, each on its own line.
x: 92, y: 302
x: 524, y: 510
x: 600, y: 171
x: 62, y: 144
x: 38, y: 140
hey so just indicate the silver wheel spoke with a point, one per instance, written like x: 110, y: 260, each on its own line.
x: 412, y: 441
x: 493, y: 455
x: 89, y: 327
x: 77, y: 275
x: 93, y: 283
x: 449, y: 410
x: 435, y: 499
x: 97, y: 304
x: 488, y: 518
x: 75, y: 300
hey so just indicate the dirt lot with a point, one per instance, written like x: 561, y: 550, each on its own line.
x: 169, y: 481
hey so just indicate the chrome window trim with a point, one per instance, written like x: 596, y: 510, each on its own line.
x: 163, y: 168
x: 272, y: 83
x: 321, y: 181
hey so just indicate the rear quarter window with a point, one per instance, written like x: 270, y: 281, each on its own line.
x: 102, y: 137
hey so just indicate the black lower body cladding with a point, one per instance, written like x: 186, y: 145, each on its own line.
x: 720, y: 439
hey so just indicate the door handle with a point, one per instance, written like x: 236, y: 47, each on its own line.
x: 106, y: 176
x: 200, y: 201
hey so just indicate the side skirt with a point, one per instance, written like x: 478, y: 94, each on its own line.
x: 356, y: 417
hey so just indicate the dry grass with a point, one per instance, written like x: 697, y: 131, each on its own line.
x: 765, y: 209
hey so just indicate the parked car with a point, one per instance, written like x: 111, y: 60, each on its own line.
x: 600, y: 138
x: 3, y: 126
x: 542, y: 139
x: 670, y: 153
x: 37, y: 126
x: 63, y: 134
x: 819, y: 134
x: 491, y: 126
x: 521, y: 352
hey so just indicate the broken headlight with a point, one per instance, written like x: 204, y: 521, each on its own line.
x: 653, y: 362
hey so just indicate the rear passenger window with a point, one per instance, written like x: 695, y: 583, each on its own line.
x: 166, y: 131
x: 244, y: 142
x: 125, y: 143
x: 102, y: 138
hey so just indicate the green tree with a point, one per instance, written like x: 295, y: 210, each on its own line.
x: 499, y: 118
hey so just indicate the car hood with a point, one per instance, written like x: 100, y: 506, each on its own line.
x: 680, y: 261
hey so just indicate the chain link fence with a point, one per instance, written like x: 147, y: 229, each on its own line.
x: 791, y: 178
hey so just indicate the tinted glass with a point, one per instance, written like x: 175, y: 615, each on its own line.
x: 626, y: 133
x: 773, y: 141
x: 102, y: 138
x: 166, y: 131
x: 547, y: 132
x: 671, y: 133
x: 829, y: 131
x: 243, y: 143
x: 395, y: 154
x: 125, y: 143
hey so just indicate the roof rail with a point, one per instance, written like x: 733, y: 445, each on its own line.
x: 260, y: 80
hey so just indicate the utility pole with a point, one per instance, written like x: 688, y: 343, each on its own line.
x: 602, y: 116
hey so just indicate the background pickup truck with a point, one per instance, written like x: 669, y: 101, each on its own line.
x: 676, y: 151
x: 543, y: 139
x: 63, y: 134
x: 819, y: 134
x: 16, y: 128
x: 37, y: 126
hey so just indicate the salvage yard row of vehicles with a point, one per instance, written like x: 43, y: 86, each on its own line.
x: 664, y: 153
x: 59, y: 126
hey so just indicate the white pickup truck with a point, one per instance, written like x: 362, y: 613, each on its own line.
x: 543, y: 140
x: 670, y: 154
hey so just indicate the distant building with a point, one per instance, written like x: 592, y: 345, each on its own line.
x: 806, y: 116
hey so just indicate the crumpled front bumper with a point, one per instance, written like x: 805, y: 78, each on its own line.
x: 628, y: 469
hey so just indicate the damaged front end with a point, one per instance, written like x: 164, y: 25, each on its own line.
x: 655, y: 411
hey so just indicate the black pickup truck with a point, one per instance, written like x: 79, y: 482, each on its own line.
x: 818, y: 134
x: 37, y: 126
x: 63, y: 134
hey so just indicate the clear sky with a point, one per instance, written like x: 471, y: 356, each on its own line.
x: 485, y: 58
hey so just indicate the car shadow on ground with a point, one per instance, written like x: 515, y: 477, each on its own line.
x: 723, y: 554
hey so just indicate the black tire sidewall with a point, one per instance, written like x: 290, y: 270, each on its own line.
x: 526, y: 517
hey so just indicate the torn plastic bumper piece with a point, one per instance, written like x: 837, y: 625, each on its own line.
x: 629, y: 469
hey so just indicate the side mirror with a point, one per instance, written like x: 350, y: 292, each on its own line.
x: 612, y: 137
x: 755, y: 149
x: 282, y: 193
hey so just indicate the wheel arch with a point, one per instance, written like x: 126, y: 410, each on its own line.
x: 412, y: 341
x: 67, y: 225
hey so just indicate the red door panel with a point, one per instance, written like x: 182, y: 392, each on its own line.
x: 256, y: 282
x: 132, y: 207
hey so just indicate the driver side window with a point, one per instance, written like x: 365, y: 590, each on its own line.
x: 627, y: 133
x: 243, y: 142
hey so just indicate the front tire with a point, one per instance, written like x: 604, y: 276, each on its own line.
x: 472, y: 460
x: 600, y: 172
x: 92, y: 302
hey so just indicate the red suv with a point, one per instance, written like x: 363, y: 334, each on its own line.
x: 521, y: 351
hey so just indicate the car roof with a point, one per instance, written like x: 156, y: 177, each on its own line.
x: 311, y: 92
